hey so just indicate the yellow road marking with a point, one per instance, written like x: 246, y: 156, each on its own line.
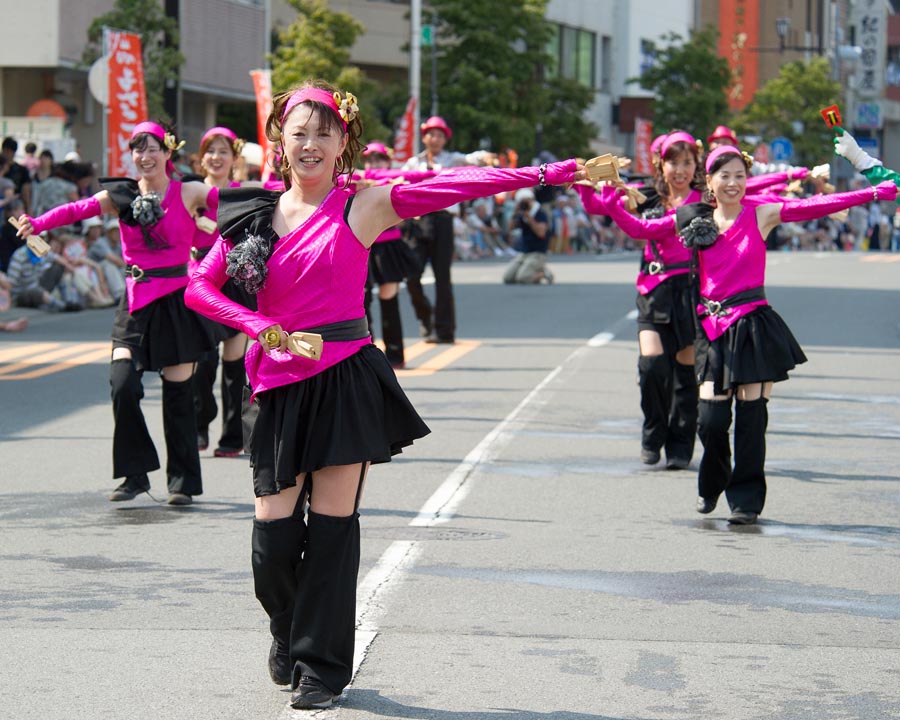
x: 431, y: 366
x: 75, y: 355
x: 23, y: 350
x: 881, y: 258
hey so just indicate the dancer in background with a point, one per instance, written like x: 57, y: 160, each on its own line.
x: 219, y: 149
x: 152, y: 330
x: 744, y: 345
x: 665, y: 302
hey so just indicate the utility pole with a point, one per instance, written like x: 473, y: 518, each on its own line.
x: 415, y: 67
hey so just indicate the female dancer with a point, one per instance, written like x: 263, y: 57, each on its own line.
x: 219, y: 148
x: 325, y: 415
x: 665, y: 301
x: 391, y: 260
x: 744, y: 346
x: 152, y: 330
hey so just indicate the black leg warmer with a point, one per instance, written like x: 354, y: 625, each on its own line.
x: 180, y: 428
x: 715, y: 465
x: 655, y: 378
x: 747, y: 490
x: 234, y: 378
x: 204, y: 397
x: 133, y: 449
x: 323, y: 631
x: 683, y: 418
x: 392, y: 330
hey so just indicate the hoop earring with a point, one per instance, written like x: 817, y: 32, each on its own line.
x: 339, y: 166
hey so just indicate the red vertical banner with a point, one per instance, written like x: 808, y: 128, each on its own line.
x: 127, y: 103
x: 262, y: 87
x: 738, y: 35
x: 643, y: 137
x: 405, y: 140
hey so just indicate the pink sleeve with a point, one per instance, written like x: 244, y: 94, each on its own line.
x: 593, y: 202
x: 819, y: 206
x: 639, y: 228
x: 468, y: 183
x: 204, y: 294
x: 67, y: 214
x: 756, y: 183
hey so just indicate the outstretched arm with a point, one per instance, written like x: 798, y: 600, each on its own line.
x: 846, y: 146
x: 66, y: 214
x: 633, y: 226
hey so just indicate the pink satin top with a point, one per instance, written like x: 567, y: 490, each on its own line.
x: 671, y: 250
x: 316, y: 276
x: 176, y: 229
x: 735, y: 262
x: 203, y: 241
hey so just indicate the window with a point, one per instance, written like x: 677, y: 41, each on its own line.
x: 573, y: 55
x: 606, y: 64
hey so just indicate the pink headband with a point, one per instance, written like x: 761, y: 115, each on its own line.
x: 675, y: 137
x: 315, y: 94
x: 657, y: 141
x: 149, y: 127
x: 218, y: 130
x: 719, y: 152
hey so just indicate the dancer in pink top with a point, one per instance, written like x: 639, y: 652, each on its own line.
x: 219, y: 149
x: 665, y: 302
x: 323, y: 415
x: 152, y: 330
x: 744, y: 346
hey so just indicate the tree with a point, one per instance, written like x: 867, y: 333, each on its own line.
x: 690, y: 83
x: 159, y: 45
x: 317, y: 45
x: 491, y: 87
x: 788, y: 106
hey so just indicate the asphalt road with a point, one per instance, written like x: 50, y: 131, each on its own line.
x: 517, y: 563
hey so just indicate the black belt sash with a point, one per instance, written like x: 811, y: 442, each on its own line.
x: 655, y: 267
x: 720, y: 308
x: 138, y: 274
x: 343, y: 331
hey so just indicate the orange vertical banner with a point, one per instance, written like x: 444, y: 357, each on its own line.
x: 739, y: 32
x: 127, y: 103
x: 643, y: 137
x: 262, y: 87
x: 405, y: 141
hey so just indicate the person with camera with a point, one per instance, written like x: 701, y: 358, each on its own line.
x: 530, y: 223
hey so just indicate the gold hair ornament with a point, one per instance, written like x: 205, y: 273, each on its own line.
x: 348, y: 108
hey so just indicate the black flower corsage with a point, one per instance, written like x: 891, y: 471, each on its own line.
x: 147, y: 209
x: 654, y: 213
x: 247, y: 262
x: 700, y: 232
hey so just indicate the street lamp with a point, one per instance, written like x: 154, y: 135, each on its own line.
x: 782, y: 27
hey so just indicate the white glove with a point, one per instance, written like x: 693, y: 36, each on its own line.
x: 821, y: 172
x: 846, y: 146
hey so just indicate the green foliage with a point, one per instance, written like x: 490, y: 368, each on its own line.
x: 317, y: 45
x: 788, y: 106
x: 161, y: 62
x: 491, y: 88
x: 690, y: 83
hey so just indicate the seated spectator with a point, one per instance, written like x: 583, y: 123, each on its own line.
x: 107, y: 253
x: 17, y: 173
x: 34, y: 281
x: 87, y: 278
x: 485, y: 227
x: 56, y: 190
x: 5, y: 303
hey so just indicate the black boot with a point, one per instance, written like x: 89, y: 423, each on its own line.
x: 180, y: 429
x: 134, y: 453
x: 277, y: 551
x: 683, y: 418
x: 234, y: 378
x: 715, y: 465
x: 746, y: 492
x: 204, y: 397
x: 421, y: 305
x: 323, y: 630
x: 655, y: 380
x: 392, y: 331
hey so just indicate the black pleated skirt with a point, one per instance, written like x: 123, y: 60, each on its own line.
x: 393, y: 261
x: 759, y: 347
x: 164, y: 333
x: 353, y: 412
x: 670, y: 309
